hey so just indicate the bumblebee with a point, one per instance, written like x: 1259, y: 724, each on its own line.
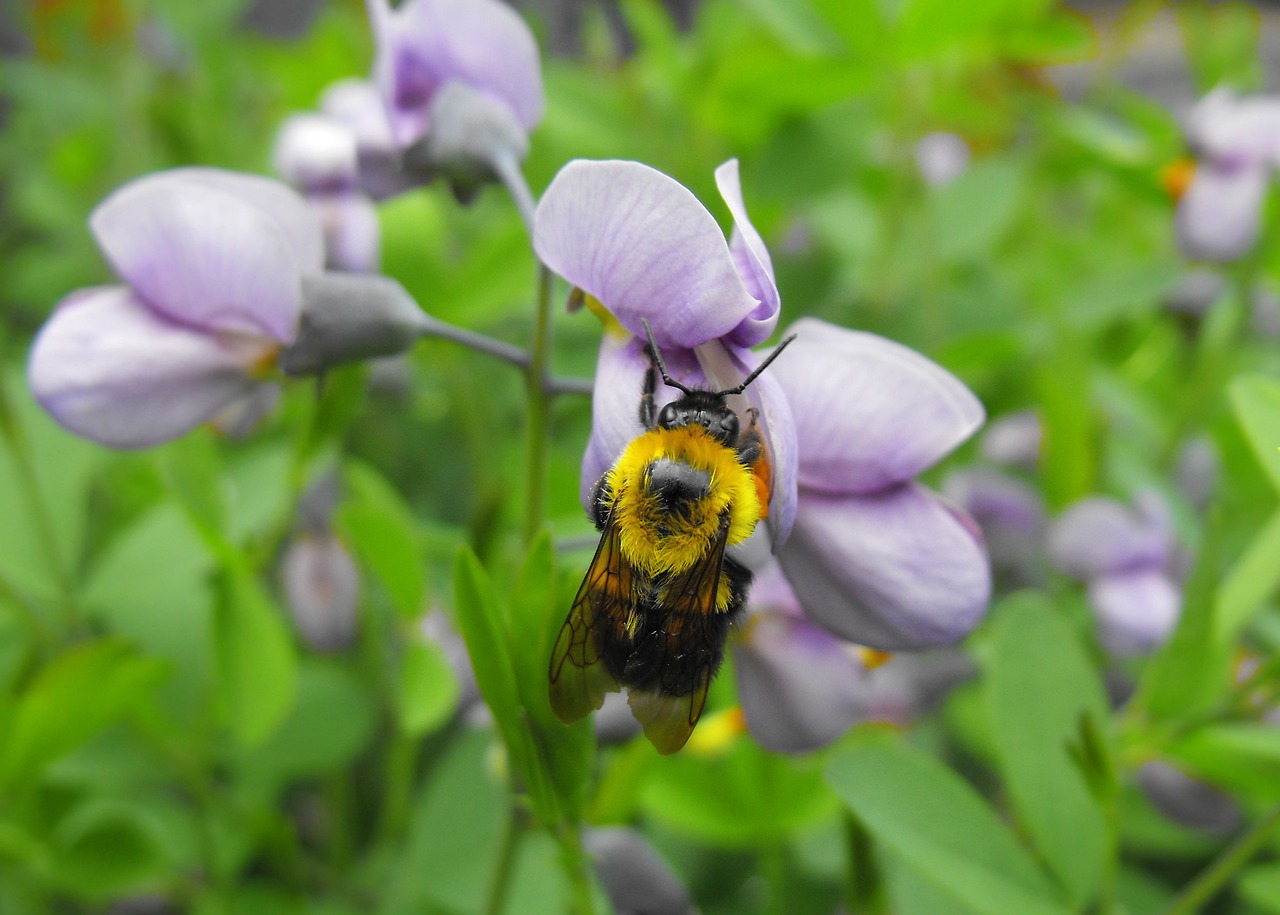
x: 660, y: 595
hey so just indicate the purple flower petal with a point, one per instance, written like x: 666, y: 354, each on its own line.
x: 869, y: 412
x: 316, y: 154
x: 276, y: 200
x: 751, y: 258
x: 1011, y: 516
x: 1219, y: 216
x: 799, y: 686
x: 321, y: 588
x: 1136, y: 610
x: 352, y: 233
x: 1099, y: 536
x: 424, y: 44
x: 894, y: 570
x: 644, y: 246
x: 1227, y: 129
x: 109, y: 369
x: 941, y: 157
x: 1013, y: 440
x: 204, y: 257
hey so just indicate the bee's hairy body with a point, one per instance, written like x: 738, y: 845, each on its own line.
x: 661, y: 596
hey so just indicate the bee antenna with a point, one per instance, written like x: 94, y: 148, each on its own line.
x: 759, y: 368
x: 656, y: 355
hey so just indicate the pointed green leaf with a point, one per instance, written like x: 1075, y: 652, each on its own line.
x: 934, y: 822
x: 428, y: 689
x: 1256, y: 402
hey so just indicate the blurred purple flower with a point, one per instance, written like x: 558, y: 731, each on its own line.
x: 318, y: 156
x: 874, y: 557
x: 1011, y: 515
x: 357, y: 105
x: 1187, y: 800
x: 214, y: 263
x: 642, y: 246
x: 321, y: 588
x: 1237, y: 145
x: 461, y: 81
x: 1013, y: 440
x: 635, y: 878
x: 941, y: 157
x: 1126, y: 556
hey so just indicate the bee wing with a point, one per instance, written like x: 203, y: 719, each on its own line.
x: 688, y: 601
x: 669, y: 720
x: 577, y: 676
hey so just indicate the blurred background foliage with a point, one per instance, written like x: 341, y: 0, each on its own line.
x: 168, y: 743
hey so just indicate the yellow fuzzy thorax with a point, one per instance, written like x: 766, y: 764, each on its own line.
x: 654, y: 541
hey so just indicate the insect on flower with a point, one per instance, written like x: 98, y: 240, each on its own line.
x: 660, y: 596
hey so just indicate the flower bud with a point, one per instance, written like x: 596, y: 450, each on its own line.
x: 321, y: 587
x: 349, y: 317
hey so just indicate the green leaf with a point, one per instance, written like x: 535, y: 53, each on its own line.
x: 330, y: 723
x: 1068, y: 458
x: 107, y: 847
x: 1243, y: 755
x: 1260, y: 887
x: 973, y: 212
x: 483, y: 627
x: 1248, y: 583
x: 1256, y: 402
x: 740, y: 797
x: 255, y: 657
x: 195, y: 473
x: 428, y: 689
x: 938, y: 825
x: 74, y: 698
x: 1040, y: 684
x: 378, y: 525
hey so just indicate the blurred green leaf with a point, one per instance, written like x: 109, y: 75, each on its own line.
x: 72, y: 699
x: 1248, y: 583
x: 1256, y: 402
x: 1222, y: 41
x: 255, y: 657
x: 741, y: 796
x: 939, y: 826
x: 1243, y: 755
x: 1259, y: 886
x: 1068, y: 458
x: 377, y: 523
x: 428, y: 689
x: 972, y: 212
x: 330, y: 723
x: 195, y: 472
x: 1039, y: 685
x: 107, y: 847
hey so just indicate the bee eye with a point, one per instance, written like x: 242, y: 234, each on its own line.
x: 668, y: 417
x: 729, y: 426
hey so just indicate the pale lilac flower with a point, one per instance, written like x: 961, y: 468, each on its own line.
x: 800, y: 687
x: 643, y: 247
x: 318, y: 156
x: 875, y: 557
x: 224, y: 282
x: 321, y: 589
x: 357, y: 105
x: 462, y: 84
x: 1011, y: 515
x: 1237, y: 145
x: 941, y: 157
x: 635, y: 878
x: 214, y: 264
x: 1013, y: 440
x: 1187, y: 800
x: 1126, y: 556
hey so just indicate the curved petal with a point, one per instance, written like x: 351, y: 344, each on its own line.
x: 316, y: 153
x: 1136, y: 611
x: 1011, y: 516
x: 799, y: 686
x: 276, y: 200
x: 1099, y: 536
x: 869, y: 412
x: 1221, y: 213
x: 895, y: 570
x: 357, y: 104
x: 424, y: 44
x: 109, y: 369
x: 644, y: 246
x: 352, y: 233
x: 752, y: 260
x: 1225, y: 127
x: 201, y: 256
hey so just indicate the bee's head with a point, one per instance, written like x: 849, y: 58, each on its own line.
x: 702, y: 408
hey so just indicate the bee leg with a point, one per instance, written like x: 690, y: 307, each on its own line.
x: 648, y: 411
x: 750, y: 445
x: 601, y: 496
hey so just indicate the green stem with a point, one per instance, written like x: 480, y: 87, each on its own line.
x: 576, y: 866
x: 1213, y: 878
x: 538, y: 430
x: 499, y: 888
x: 862, y: 876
